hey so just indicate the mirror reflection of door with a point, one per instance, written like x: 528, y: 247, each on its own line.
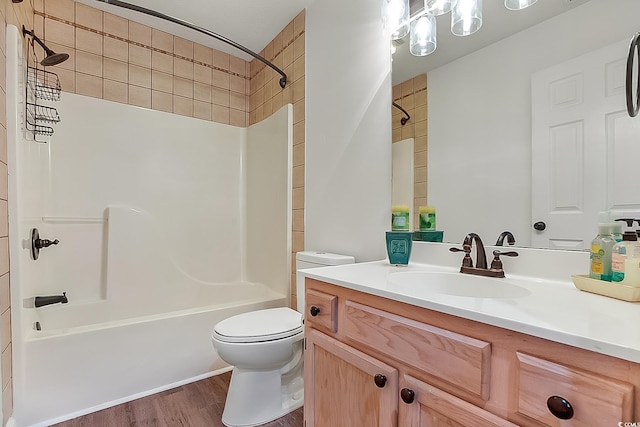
x: 585, y: 149
x: 402, y: 193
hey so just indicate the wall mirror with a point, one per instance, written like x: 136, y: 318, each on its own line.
x: 492, y: 97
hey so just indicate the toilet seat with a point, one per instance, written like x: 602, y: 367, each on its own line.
x: 257, y: 326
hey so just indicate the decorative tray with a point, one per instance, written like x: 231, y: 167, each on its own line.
x: 609, y: 289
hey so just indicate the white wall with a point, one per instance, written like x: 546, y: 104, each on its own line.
x: 268, y: 163
x: 479, y: 158
x: 348, y: 129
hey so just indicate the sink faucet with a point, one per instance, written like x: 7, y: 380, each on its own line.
x: 511, y: 240
x: 481, y: 258
x: 51, y: 299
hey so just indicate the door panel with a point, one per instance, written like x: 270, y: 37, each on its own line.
x: 432, y: 407
x: 583, y: 148
x: 340, y: 386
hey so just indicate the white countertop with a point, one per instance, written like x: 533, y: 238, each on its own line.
x: 548, y: 308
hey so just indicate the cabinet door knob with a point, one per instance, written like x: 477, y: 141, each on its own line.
x: 380, y: 380
x: 560, y: 407
x: 407, y: 395
x: 314, y: 311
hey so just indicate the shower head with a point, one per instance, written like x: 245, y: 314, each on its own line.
x: 52, y: 58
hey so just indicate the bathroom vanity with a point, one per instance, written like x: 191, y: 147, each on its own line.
x: 384, y: 350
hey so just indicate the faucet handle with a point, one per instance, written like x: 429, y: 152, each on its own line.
x: 466, y: 248
x: 509, y: 253
x: 496, y: 264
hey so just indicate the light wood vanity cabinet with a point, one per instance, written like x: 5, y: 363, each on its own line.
x: 371, y: 361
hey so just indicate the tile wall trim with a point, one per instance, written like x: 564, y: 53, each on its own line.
x: 131, y: 42
x: 399, y: 98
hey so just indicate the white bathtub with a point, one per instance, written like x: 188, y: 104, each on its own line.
x: 144, y: 329
x: 76, y: 366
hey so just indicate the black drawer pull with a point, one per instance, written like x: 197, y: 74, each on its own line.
x: 560, y: 407
x: 314, y: 311
x: 380, y: 380
x: 407, y: 395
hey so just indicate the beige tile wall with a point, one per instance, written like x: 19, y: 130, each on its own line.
x: 123, y: 61
x: 412, y: 96
x: 17, y: 14
x: 287, y: 52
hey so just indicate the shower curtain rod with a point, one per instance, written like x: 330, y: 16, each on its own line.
x: 283, y: 79
x: 403, y: 120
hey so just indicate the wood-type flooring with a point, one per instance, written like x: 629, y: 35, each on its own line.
x: 198, y: 404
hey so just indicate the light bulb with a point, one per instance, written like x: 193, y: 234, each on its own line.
x: 423, y: 35
x: 395, y: 17
x: 466, y: 17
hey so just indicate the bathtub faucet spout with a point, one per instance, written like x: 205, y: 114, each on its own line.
x: 51, y: 299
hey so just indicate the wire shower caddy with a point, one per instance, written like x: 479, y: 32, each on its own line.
x: 41, y: 85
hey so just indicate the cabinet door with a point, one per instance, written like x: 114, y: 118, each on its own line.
x: 582, y: 398
x: 423, y: 405
x: 345, y: 387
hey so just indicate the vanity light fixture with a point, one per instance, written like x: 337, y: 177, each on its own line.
x: 423, y: 35
x: 395, y: 17
x: 466, y: 19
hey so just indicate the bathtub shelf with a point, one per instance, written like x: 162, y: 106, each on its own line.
x: 44, y: 84
x: 41, y: 114
x: 39, y: 130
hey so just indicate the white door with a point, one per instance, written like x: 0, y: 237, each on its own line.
x: 585, y: 149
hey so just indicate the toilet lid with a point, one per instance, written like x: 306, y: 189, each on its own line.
x: 260, y: 325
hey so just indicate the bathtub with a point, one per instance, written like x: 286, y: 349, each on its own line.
x: 144, y: 327
x: 76, y: 366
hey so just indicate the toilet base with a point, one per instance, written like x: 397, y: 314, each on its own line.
x: 258, y: 397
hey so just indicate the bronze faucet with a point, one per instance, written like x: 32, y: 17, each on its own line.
x: 481, y: 258
x: 511, y: 240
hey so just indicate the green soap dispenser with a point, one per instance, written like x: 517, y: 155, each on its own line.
x: 601, y: 249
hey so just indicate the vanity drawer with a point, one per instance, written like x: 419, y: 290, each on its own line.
x: 596, y: 400
x: 456, y: 359
x: 321, y: 310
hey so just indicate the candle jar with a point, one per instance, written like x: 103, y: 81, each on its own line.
x: 400, y: 218
x: 427, y: 218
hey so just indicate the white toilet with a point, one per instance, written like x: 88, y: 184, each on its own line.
x: 265, y: 349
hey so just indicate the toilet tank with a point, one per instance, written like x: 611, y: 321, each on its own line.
x: 313, y: 259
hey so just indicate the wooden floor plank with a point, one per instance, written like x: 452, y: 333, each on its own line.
x: 199, y: 404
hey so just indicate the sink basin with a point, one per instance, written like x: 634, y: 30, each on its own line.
x: 458, y: 284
